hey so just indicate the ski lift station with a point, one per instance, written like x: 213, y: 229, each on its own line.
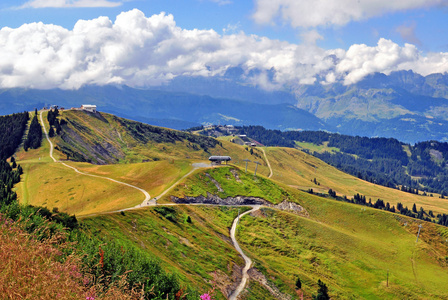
x: 89, y: 107
x: 217, y: 160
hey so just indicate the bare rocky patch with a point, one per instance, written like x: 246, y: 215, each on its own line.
x: 216, y: 183
x: 227, y: 283
x: 256, y: 275
x: 238, y: 200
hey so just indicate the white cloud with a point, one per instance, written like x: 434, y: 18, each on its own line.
x: 69, y: 3
x: 142, y: 51
x: 361, y: 60
x: 303, y: 13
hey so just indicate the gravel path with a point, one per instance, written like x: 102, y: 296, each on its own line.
x: 269, y: 165
x: 248, y: 261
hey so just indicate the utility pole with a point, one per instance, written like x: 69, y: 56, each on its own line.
x: 255, y: 174
x: 418, y: 234
x: 246, y: 160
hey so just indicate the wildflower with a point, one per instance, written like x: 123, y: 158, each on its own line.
x: 206, y: 297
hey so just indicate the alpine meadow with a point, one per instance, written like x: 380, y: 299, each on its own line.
x: 221, y: 149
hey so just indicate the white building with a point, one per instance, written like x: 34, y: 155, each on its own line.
x: 89, y: 107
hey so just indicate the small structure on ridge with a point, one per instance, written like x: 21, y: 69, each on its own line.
x: 217, y: 160
x: 89, y: 107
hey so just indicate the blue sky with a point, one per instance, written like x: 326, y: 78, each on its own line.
x: 430, y: 23
x: 364, y: 35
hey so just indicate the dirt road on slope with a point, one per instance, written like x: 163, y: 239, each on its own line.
x: 269, y: 165
x: 248, y: 261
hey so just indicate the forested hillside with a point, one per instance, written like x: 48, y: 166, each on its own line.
x: 12, y: 128
x: 34, y: 137
x: 383, y: 161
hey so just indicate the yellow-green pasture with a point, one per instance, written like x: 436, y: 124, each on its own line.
x: 351, y: 249
x: 296, y: 168
x: 54, y: 185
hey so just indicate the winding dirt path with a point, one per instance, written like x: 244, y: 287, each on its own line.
x: 147, y: 196
x: 248, y: 261
x: 269, y: 165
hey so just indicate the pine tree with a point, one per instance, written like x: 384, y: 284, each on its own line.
x: 51, y: 132
x: 322, y: 292
x: 414, y: 208
x: 298, y: 284
x: 58, y: 127
x: 34, y: 137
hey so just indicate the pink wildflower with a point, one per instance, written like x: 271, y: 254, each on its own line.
x: 206, y: 297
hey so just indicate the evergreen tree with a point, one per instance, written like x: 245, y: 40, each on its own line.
x: 298, y: 284
x: 322, y: 292
x: 58, y: 127
x: 34, y: 137
x: 414, y: 208
x: 51, y: 132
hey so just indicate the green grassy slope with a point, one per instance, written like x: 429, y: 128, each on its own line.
x: 298, y: 169
x: 199, y: 250
x: 349, y: 247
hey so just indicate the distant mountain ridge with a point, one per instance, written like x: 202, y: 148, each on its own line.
x: 403, y: 105
x: 164, y: 108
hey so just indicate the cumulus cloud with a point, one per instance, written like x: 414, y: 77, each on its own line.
x: 142, y: 51
x: 302, y: 13
x: 387, y: 56
x: 69, y: 3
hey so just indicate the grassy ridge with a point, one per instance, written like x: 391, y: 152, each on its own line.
x: 232, y: 182
x: 103, y: 138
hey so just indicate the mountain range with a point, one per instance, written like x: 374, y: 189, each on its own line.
x: 403, y: 105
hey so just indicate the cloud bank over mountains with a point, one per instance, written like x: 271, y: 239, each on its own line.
x: 142, y: 51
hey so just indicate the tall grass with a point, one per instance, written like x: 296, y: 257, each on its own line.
x: 33, y: 269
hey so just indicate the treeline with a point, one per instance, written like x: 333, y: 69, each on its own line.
x: 383, y: 161
x: 34, y: 137
x: 12, y: 128
x: 55, y: 124
x: 421, y: 214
